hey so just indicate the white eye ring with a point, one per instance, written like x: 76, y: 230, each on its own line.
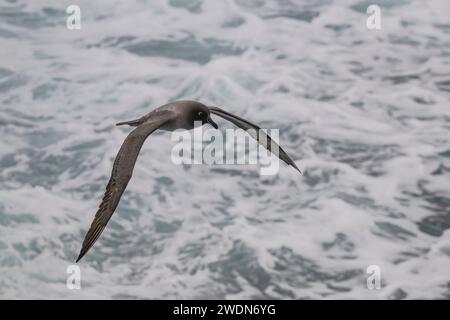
x: 200, y: 114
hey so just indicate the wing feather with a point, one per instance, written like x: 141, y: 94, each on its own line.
x: 257, y: 133
x: 120, y: 176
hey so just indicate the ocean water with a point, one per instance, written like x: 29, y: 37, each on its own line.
x: 364, y: 113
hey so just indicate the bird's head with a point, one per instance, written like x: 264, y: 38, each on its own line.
x: 201, y: 113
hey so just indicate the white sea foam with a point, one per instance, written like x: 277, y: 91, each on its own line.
x: 365, y: 113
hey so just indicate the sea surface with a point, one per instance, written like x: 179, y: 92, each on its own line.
x: 364, y: 113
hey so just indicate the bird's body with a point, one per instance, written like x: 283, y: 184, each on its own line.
x: 169, y: 117
x: 181, y: 112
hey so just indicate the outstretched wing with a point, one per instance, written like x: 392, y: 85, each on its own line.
x: 257, y: 134
x: 121, y: 174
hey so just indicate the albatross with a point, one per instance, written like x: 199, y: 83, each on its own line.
x: 169, y: 117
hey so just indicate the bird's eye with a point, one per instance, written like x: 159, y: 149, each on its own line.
x: 200, y: 114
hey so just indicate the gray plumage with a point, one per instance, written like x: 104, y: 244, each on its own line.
x: 172, y: 116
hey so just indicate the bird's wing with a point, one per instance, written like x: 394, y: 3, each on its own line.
x: 257, y: 134
x: 121, y: 174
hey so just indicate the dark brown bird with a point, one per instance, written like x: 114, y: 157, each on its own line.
x: 172, y: 116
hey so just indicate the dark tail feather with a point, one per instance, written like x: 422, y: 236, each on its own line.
x: 133, y: 123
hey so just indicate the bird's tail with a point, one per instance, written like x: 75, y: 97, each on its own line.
x: 133, y: 123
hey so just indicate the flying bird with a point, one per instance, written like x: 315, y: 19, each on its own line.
x: 169, y: 117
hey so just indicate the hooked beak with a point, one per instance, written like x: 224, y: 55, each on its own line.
x: 211, y: 122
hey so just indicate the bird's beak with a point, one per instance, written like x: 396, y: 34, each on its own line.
x: 211, y: 122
